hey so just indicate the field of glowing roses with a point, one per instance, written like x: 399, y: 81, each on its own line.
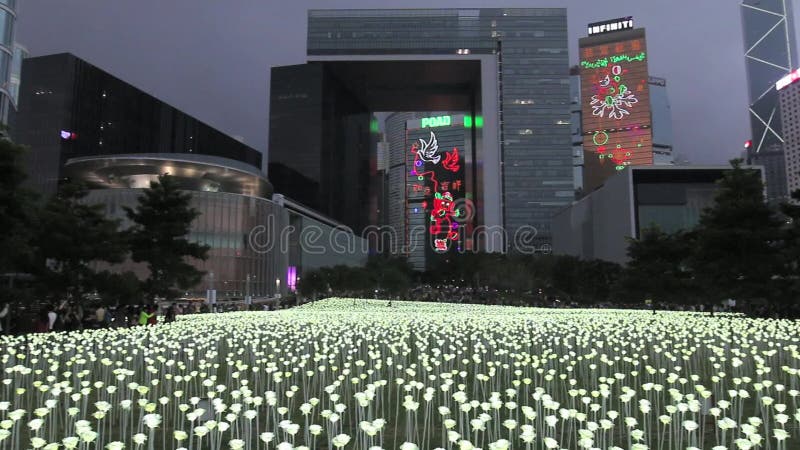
x: 363, y: 374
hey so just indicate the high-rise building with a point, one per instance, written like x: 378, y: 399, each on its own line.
x: 70, y: 108
x: 11, y: 55
x: 506, y: 69
x: 616, y: 121
x: 662, y: 122
x: 396, y: 215
x: 320, y: 143
x: 770, y: 53
x: 789, y: 95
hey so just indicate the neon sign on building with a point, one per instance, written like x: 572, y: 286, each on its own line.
x: 615, y: 98
x: 610, y: 26
x: 433, y: 122
x: 439, y: 179
x: 437, y: 191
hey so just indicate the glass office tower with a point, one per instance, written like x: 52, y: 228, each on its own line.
x: 11, y: 56
x: 517, y: 90
x: 770, y: 53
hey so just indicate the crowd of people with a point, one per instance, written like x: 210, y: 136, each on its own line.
x: 455, y: 294
x: 72, y: 316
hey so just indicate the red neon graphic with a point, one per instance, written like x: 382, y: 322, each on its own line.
x: 451, y: 160
x: 443, y: 228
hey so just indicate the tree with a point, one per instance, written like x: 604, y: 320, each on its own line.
x: 791, y: 246
x: 390, y: 275
x: 657, y: 267
x: 119, y: 288
x: 18, y: 212
x: 72, y: 235
x: 312, y: 283
x: 158, y: 238
x: 735, y: 254
x: 595, y: 279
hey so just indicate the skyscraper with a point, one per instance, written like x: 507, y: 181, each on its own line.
x: 789, y: 95
x: 615, y: 100
x: 506, y: 68
x: 770, y: 53
x: 11, y: 55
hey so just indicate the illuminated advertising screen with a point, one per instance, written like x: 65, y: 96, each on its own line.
x: 436, y: 188
x: 615, y: 99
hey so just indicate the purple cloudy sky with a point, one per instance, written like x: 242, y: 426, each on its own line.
x: 211, y: 58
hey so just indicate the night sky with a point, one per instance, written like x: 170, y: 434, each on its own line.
x: 211, y: 59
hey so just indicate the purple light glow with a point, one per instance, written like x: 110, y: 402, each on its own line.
x: 291, y: 278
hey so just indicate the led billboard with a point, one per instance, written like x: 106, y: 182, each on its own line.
x: 615, y: 100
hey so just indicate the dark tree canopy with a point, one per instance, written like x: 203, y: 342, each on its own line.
x: 736, y: 246
x: 18, y: 212
x: 657, y: 267
x: 71, y: 237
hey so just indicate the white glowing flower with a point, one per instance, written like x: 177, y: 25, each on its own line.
x: 151, y: 420
x: 267, y: 437
x: 70, y: 442
x: 179, y: 435
x: 501, y: 444
x: 340, y: 440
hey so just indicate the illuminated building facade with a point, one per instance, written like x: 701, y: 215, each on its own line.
x: 70, y: 108
x: 615, y: 104
x: 438, y: 216
x: 770, y: 52
x: 663, y: 153
x: 234, y: 204
x: 506, y: 66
